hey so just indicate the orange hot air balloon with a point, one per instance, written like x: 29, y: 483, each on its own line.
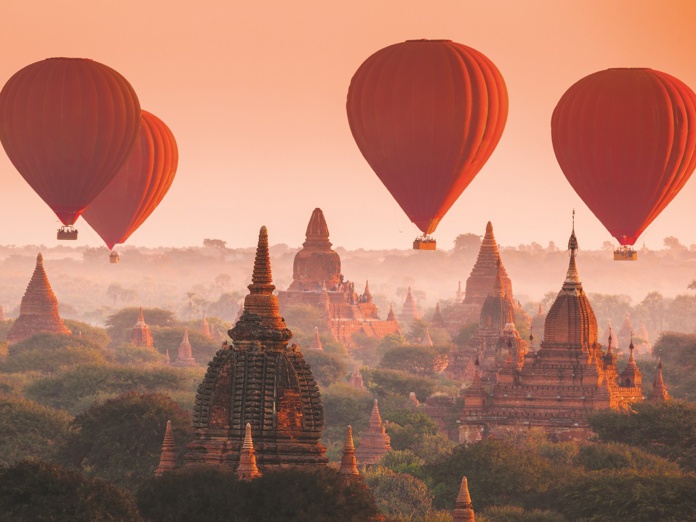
x: 67, y: 125
x: 426, y: 115
x: 625, y: 139
x: 139, y: 186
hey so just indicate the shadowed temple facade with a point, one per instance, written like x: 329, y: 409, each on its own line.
x: 261, y: 380
x: 318, y: 282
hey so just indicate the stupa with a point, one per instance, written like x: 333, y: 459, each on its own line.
x: 316, y: 341
x: 185, y: 356
x: 141, y: 335
x: 38, y: 312
x: 247, y: 469
x: 375, y: 442
x: 463, y: 509
x: 659, y: 391
x: 409, y: 310
x: 569, y: 376
x: 318, y: 282
x: 205, y: 328
x: 168, y: 457
x: 262, y: 380
x: 356, y: 380
x: 437, y: 321
x: 349, y: 467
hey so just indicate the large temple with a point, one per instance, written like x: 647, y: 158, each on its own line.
x: 479, y: 285
x: 262, y: 381
x: 38, y: 312
x: 317, y: 281
x: 557, y: 386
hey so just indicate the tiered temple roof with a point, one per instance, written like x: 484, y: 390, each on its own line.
x: 38, y: 312
x: 409, y: 310
x: 349, y: 467
x: 374, y: 442
x: 185, y: 355
x: 317, y: 281
x: 262, y: 380
x: 247, y: 469
x: 141, y: 335
x: 567, y: 378
x: 463, y: 509
x: 168, y: 457
x: 356, y: 380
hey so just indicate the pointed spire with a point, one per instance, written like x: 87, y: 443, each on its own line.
x: 459, y: 297
x: 463, y: 510
x: 185, y: 354
x: 261, y: 320
x: 167, y: 359
x: 2, y: 313
x: 205, y: 327
x: 375, y: 442
x: 349, y: 465
x: 540, y: 310
x: 631, y: 376
x: 427, y: 341
x: 356, y: 380
x: 316, y: 344
x: 391, y: 316
x: 659, y: 391
x: 141, y: 317
x: 437, y: 319
x: 247, y: 470
x: 168, y: 456
x: 572, y: 280
x: 317, y: 229
x: 498, y: 288
x: 375, y: 418
x: 141, y: 335
x: 366, y: 294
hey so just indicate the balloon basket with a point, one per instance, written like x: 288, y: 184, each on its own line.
x: 424, y: 243
x: 114, y: 257
x: 625, y: 253
x: 68, y: 233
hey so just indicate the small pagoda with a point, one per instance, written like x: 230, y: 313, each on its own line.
x: 262, y: 381
x: 141, y: 335
x: 38, y: 312
x: 374, y: 442
x: 409, y: 310
x: 185, y: 355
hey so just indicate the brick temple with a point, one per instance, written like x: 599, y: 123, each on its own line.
x: 317, y: 281
x: 261, y: 380
x: 558, y: 385
x: 38, y: 312
x: 140, y: 334
x: 479, y: 285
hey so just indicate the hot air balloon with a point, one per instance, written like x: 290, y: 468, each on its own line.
x: 139, y: 186
x: 426, y: 115
x: 625, y: 139
x: 67, y: 125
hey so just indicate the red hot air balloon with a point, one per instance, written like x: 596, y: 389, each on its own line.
x: 67, y: 125
x: 139, y: 185
x: 426, y: 115
x: 625, y: 139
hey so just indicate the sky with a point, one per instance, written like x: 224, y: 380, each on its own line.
x: 255, y: 94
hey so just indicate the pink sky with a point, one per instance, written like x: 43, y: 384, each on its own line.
x: 255, y: 94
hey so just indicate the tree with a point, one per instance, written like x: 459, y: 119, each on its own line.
x: 518, y: 514
x: 327, y: 368
x: 408, y: 428
x: 423, y: 361
x: 613, y: 456
x: 652, y: 310
x: 37, y: 491
x: 667, y: 429
x: 50, y: 352
x: 169, y: 338
x: 383, y: 382
x: 343, y: 406
x: 97, y: 335
x: 292, y: 495
x: 467, y: 243
x: 120, y: 324
x: 30, y: 430
x: 673, y: 244
x: 399, y: 494
x: 120, y: 440
x: 678, y: 352
x: 681, y: 314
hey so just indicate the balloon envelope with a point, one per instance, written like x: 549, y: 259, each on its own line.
x: 625, y: 139
x: 139, y: 186
x: 426, y: 115
x: 67, y: 125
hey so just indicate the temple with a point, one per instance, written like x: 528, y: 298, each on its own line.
x: 205, y: 328
x: 38, y: 312
x: 316, y: 341
x: 317, y: 281
x: 185, y: 356
x: 141, y: 335
x: 168, y: 456
x: 555, y: 387
x: 659, y: 391
x: 463, y: 509
x: 409, y: 310
x: 349, y: 466
x: 259, y: 380
x: 374, y: 442
x: 356, y: 380
x: 247, y: 468
x: 478, y: 285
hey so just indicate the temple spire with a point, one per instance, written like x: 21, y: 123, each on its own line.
x: 427, y: 341
x: 366, y: 294
x: 349, y: 466
x: 316, y: 344
x: 168, y: 457
x: 317, y: 229
x: 391, y: 316
x: 659, y: 391
x: 247, y: 469
x: 375, y: 442
x: 463, y: 510
x: 459, y: 297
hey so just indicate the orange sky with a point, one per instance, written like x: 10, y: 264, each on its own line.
x: 255, y: 94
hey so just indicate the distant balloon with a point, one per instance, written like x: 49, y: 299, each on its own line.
x: 426, y: 115
x: 139, y: 186
x: 67, y: 125
x: 625, y: 139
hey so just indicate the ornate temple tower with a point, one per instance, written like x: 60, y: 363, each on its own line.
x: 317, y: 263
x: 349, y: 467
x: 38, y: 312
x: 567, y: 378
x: 659, y: 391
x: 185, y: 356
x: 316, y: 341
x: 409, y: 311
x: 485, y: 272
x: 141, y: 335
x: 356, y: 380
x: 260, y: 380
x: 375, y: 442
x: 205, y: 328
x: 247, y: 469
x: 463, y: 509
x: 437, y: 321
x: 168, y: 456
